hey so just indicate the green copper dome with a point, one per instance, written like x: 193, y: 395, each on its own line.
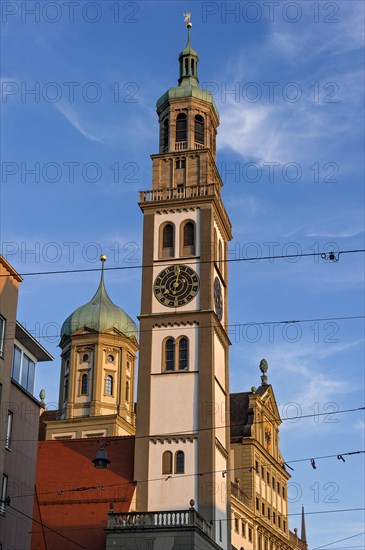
x: 188, y: 90
x: 188, y: 79
x: 99, y: 314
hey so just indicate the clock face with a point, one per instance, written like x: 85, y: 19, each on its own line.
x: 218, y: 300
x: 176, y: 285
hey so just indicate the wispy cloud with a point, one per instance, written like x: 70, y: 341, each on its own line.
x: 286, y: 131
x: 302, y: 374
x: 74, y: 119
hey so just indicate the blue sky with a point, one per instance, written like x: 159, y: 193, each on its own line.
x: 288, y: 83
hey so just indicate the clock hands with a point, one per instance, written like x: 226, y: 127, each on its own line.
x: 176, y: 283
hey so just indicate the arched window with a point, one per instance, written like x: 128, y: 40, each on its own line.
x: 109, y: 385
x: 183, y: 354
x: 188, y: 239
x: 181, y: 127
x: 179, y: 462
x: 127, y: 391
x: 170, y: 354
x: 199, y: 129
x: 186, y: 66
x: 84, y: 384
x: 168, y: 241
x: 193, y: 67
x: 167, y: 462
x: 65, y: 391
x: 165, y: 134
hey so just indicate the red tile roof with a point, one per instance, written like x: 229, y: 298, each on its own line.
x: 72, y: 496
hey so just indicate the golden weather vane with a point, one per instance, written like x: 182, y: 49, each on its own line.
x: 188, y: 19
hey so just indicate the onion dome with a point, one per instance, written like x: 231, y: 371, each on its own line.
x: 100, y: 314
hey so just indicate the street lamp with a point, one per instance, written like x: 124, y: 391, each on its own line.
x: 101, y: 460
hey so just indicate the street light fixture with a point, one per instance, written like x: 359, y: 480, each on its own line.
x: 101, y: 460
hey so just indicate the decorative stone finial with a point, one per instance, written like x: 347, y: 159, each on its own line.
x: 42, y: 396
x: 111, y: 507
x: 192, y: 503
x: 253, y: 389
x: 264, y: 368
x: 187, y: 20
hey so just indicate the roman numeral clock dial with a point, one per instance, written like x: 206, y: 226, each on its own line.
x: 176, y: 285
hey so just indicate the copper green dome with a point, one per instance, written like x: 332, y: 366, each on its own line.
x: 187, y: 90
x: 100, y: 314
x: 188, y: 79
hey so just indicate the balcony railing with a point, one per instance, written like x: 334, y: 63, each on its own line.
x: 240, y: 495
x: 176, y: 519
x: 180, y: 145
x: 191, y: 191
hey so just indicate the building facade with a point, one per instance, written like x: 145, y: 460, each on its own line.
x: 20, y: 411
x: 259, y: 492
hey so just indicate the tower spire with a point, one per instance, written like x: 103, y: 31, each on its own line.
x: 103, y: 260
x: 188, y: 59
x: 303, y: 534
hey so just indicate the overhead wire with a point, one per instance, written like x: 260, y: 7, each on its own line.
x: 339, y: 540
x: 194, y: 262
x: 194, y: 326
x: 222, y: 426
x: 46, y: 526
x: 166, y: 477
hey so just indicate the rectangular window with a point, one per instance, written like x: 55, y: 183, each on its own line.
x: 283, y: 489
x: 273, y: 483
x: 257, y: 467
x: 279, y: 488
x: 257, y: 504
x: 274, y: 518
x: 17, y: 363
x: 243, y: 529
x: 2, y: 335
x: 250, y: 534
x: 220, y: 530
x: 268, y: 513
x: 279, y: 522
x: 262, y: 472
x: 263, y: 509
x: 268, y: 478
x: 9, y: 428
x: 236, y: 525
x: 284, y: 526
x: 4, y: 487
x: 23, y: 370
